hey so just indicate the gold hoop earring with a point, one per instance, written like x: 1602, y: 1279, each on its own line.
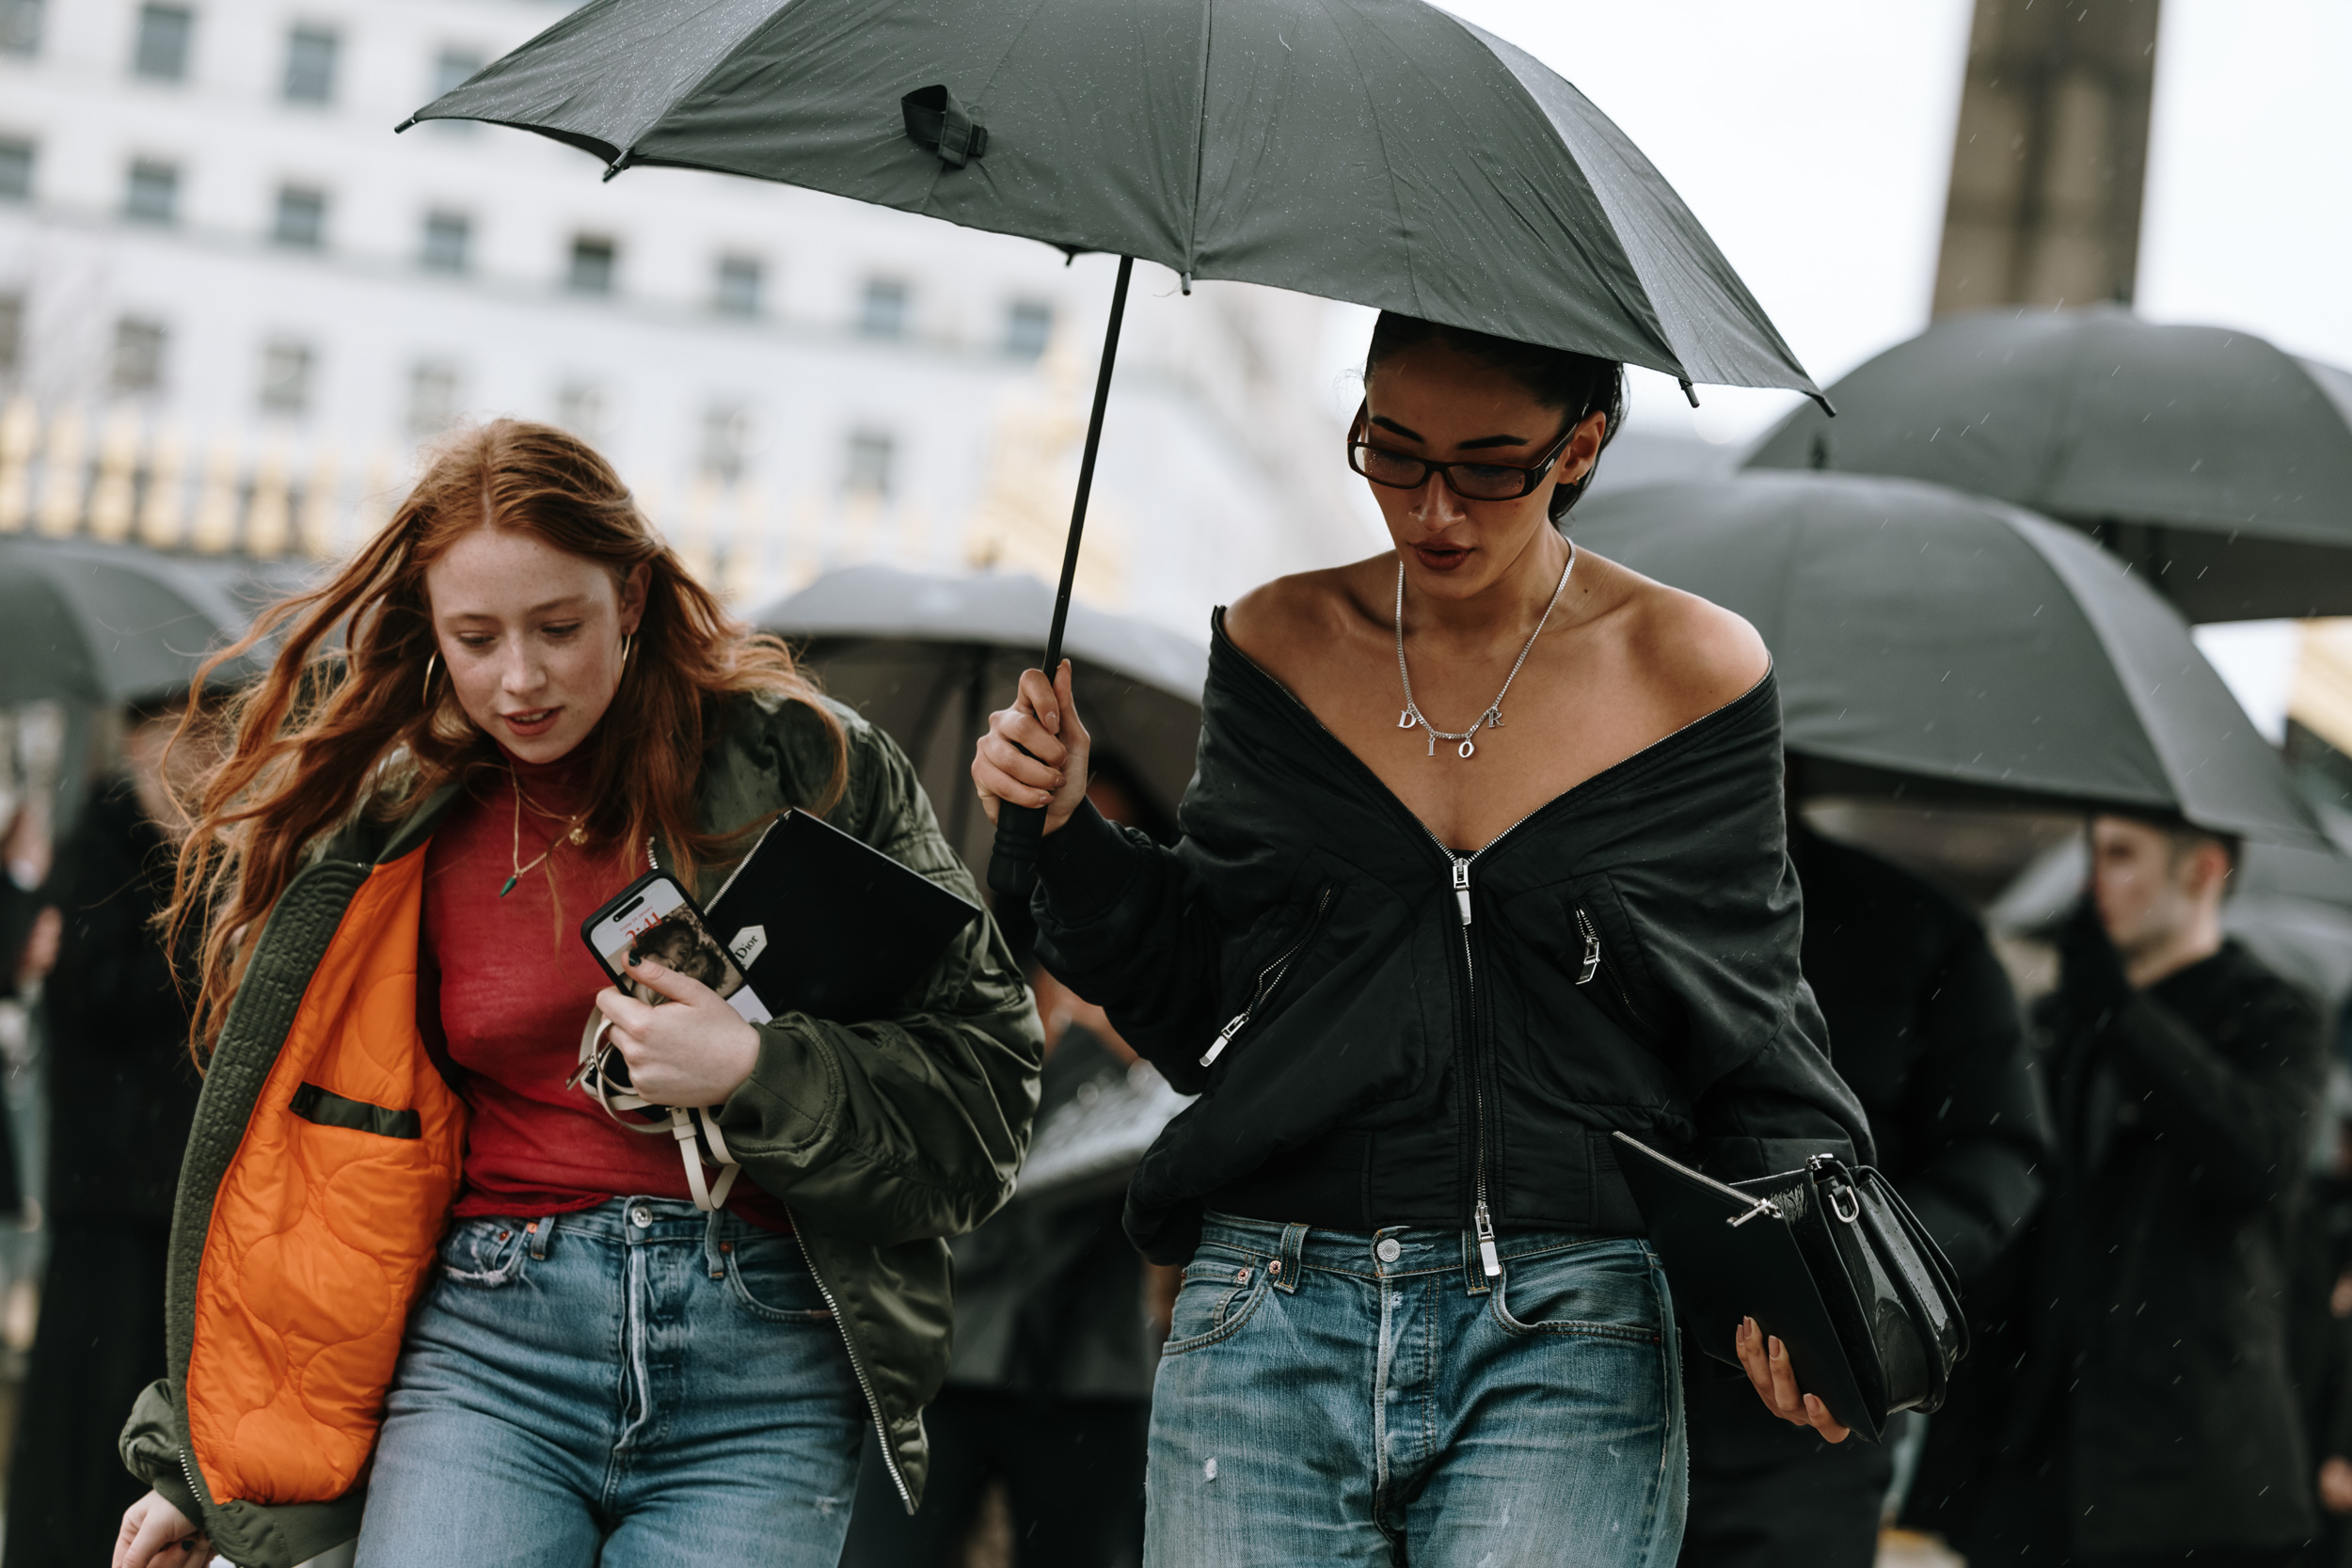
x: 431, y: 659
x: 627, y: 644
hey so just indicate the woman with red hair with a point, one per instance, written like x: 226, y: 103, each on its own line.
x: 506, y: 705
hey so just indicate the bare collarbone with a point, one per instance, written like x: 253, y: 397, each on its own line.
x: 1624, y: 664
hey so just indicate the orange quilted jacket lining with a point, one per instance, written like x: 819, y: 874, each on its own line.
x: 322, y: 1236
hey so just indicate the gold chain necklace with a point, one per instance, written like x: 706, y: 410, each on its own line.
x: 516, y: 858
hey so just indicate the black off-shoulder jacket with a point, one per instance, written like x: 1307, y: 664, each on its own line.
x: 1384, y: 1033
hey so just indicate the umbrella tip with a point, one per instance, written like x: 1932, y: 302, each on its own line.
x: 404, y: 125
x: 1690, y: 392
x: 1188, y: 282
x: 628, y: 155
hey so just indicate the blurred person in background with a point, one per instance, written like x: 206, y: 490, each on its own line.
x: 2322, y: 1322
x: 1058, y: 1319
x: 123, y: 1091
x: 1924, y: 1026
x: 2143, y: 1411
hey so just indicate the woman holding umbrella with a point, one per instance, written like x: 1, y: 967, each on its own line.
x: 1485, y: 859
x: 414, y: 1270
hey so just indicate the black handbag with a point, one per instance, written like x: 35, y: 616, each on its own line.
x: 1829, y: 1259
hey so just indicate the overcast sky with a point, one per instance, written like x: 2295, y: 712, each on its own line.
x: 1813, y: 138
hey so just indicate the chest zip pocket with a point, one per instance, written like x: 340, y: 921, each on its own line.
x: 1268, y: 979
x: 1588, y: 964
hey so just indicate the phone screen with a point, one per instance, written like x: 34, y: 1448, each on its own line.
x: 656, y: 920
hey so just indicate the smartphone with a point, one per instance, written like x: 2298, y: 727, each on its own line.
x: 655, y: 918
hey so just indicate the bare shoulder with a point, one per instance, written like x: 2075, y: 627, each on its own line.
x: 1275, y: 622
x: 1696, y: 655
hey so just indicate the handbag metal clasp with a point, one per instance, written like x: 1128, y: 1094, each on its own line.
x: 1844, y: 1204
x: 1763, y: 1206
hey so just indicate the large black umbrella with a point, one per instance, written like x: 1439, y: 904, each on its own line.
x: 1951, y: 639
x: 926, y: 657
x: 2217, y: 465
x: 1376, y: 150
x: 96, y: 624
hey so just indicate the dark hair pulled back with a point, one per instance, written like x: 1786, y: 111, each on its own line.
x: 1579, y: 385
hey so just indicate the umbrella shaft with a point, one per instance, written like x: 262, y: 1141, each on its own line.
x: 1086, y: 465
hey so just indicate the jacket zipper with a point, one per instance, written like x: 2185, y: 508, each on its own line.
x: 866, y: 1386
x: 1590, y: 965
x: 1268, y: 979
x: 1458, y: 883
x: 196, y: 1490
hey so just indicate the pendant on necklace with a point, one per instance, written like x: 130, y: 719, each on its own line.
x: 510, y: 885
x: 1405, y: 719
x: 1466, y: 750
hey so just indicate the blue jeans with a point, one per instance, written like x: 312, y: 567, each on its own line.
x: 639, y: 1380
x: 1333, y: 1399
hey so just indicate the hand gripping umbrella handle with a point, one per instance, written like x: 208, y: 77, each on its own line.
x: 1021, y: 830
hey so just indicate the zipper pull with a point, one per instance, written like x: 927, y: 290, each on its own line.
x: 1487, y: 1257
x: 1461, y: 888
x: 1224, y: 1039
x: 1592, y: 949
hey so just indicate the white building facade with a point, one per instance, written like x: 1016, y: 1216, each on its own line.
x: 234, y: 306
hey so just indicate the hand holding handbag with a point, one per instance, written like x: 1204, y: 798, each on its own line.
x: 1829, y: 1259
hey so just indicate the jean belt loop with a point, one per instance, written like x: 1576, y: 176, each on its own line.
x: 714, y: 1251
x: 541, y: 1231
x: 1285, y: 1268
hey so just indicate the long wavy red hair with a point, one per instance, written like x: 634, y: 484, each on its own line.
x: 339, y: 726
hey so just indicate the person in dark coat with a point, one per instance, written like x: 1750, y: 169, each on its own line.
x: 122, y: 1092
x: 2149, y: 1413
x: 1925, y: 1028
x: 1058, y: 1325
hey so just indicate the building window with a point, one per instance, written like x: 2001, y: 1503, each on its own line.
x: 580, y: 408
x: 11, y: 334
x: 151, y: 195
x: 882, y: 312
x: 16, y: 169
x: 1028, y: 323
x: 138, y: 365
x: 727, y: 429
x: 310, y: 65
x: 448, y: 237
x: 738, y: 291
x: 870, y: 456
x: 431, y: 397
x: 301, y: 217
x: 594, y: 263
x: 285, y: 377
x: 161, y: 53
x: 20, y: 28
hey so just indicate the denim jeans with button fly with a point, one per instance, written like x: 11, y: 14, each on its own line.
x: 1331, y: 1400
x: 636, y: 1384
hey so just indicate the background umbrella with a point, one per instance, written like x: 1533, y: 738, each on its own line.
x: 2220, y: 466
x: 927, y: 658
x: 97, y: 625
x: 1376, y: 150
x: 1939, y: 636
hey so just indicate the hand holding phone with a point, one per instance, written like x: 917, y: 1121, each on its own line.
x: 690, y: 1049
x: 681, y: 1013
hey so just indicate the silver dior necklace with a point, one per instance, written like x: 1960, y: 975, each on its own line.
x: 1492, y: 718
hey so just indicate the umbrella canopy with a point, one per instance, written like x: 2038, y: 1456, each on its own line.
x: 104, y: 624
x: 1374, y: 150
x: 1945, y: 637
x: 2220, y: 466
x: 927, y: 658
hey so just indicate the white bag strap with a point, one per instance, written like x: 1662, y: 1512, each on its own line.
x: 595, y: 1053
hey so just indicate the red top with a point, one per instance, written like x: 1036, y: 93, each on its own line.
x: 516, y: 985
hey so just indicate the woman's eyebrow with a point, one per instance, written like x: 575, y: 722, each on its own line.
x: 1395, y: 429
